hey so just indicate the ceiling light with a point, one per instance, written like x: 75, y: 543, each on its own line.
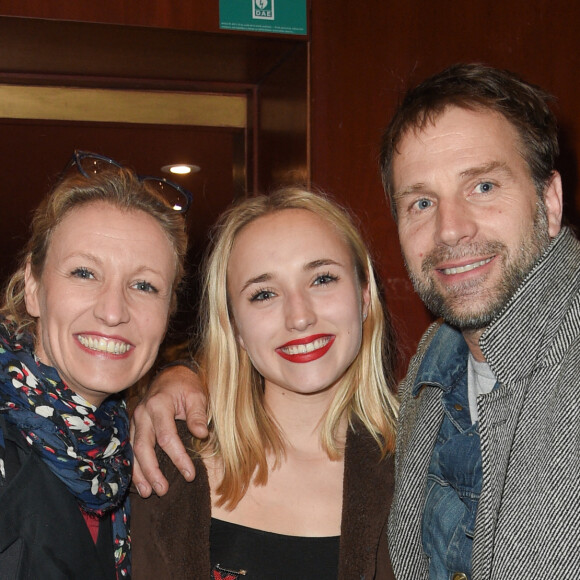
x: 180, y: 169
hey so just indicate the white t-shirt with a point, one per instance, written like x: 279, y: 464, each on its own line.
x: 480, y: 380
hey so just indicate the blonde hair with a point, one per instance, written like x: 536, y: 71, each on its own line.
x: 241, y: 431
x: 120, y: 187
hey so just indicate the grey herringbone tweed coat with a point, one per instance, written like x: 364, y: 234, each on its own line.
x: 528, y: 519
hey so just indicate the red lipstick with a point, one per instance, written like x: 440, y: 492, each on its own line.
x: 306, y: 349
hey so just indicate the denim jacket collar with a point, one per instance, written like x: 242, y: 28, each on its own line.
x: 445, y: 361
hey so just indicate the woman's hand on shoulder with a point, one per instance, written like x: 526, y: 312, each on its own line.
x: 175, y: 393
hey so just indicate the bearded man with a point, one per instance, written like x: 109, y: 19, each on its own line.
x: 488, y: 450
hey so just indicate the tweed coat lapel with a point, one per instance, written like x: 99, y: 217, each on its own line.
x: 521, y: 346
x: 414, y: 448
x: 498, y: 420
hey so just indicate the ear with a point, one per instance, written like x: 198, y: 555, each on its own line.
x: 31, y: 288
x: 365, y: 300
x: 553, y: 203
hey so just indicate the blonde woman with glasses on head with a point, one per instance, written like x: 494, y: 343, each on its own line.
x: 81, y: 321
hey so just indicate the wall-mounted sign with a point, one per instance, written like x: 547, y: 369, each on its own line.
x: 278, y: 16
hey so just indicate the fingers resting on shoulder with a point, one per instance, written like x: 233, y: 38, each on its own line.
x: 176, y: 393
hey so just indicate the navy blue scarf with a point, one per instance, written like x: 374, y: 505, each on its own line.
x: 86, y: 447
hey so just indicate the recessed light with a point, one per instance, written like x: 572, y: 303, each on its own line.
x: 180, y: 169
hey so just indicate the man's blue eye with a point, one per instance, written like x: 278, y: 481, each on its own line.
x: 484, y: 187
x: 423, y: 204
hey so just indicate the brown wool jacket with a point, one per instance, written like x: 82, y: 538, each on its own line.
x: 170, y: 534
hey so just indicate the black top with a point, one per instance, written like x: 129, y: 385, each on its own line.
x: 249, y: 554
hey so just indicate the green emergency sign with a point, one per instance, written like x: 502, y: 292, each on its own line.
x: 276, y: 16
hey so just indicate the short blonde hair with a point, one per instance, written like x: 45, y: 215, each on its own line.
x: 120, y: 187
x: 241, y: 431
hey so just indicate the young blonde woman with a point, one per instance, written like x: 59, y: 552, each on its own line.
x: 295, y: 478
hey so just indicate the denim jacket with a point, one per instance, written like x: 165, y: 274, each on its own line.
x: 454, y: 476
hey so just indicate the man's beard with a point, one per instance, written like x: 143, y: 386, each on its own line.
x: 515, y: 268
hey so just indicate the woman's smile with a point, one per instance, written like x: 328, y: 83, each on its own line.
x: 106, y: 345
x: 306, y: 349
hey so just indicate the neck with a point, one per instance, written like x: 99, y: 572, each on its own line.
x: 300, y: 416
x: 472, y: 339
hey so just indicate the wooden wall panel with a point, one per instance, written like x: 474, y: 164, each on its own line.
x: 283, y: 123
x: 364, y: 54
x: 46, y: 61
x: 188, y: 15
x: 117, y: 56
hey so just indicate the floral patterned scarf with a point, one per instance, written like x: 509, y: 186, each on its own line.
x: 86, y: 447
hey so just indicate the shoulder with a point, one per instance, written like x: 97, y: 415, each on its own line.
x: 171, y: 533
x: 182, y: 495
x: 13, y: 452
x: 367, y: 496
x: 363, y: 456
x: 406, y: 384
x: 166, y: 465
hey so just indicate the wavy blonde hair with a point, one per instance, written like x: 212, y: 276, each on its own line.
x: 241, y: 430
x: 120, y: 187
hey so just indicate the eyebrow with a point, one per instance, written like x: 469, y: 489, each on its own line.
x: 140, y: 270
x: 267, y: 276
x: 83, y: 256
x: 322, y: 262
x: 257, y: 280
x: 408, y: 191
x: 491, y: 167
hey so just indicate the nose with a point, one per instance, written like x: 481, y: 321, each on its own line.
x: 299, y: 311
x: 456, y: 223
x: 111, y: 306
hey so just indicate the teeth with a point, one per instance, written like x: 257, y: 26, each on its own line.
x: 466, y: 268
x: 104, y: 345
x: 305, y: 348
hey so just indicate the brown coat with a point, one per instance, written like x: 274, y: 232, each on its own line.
x: 171, y: 533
